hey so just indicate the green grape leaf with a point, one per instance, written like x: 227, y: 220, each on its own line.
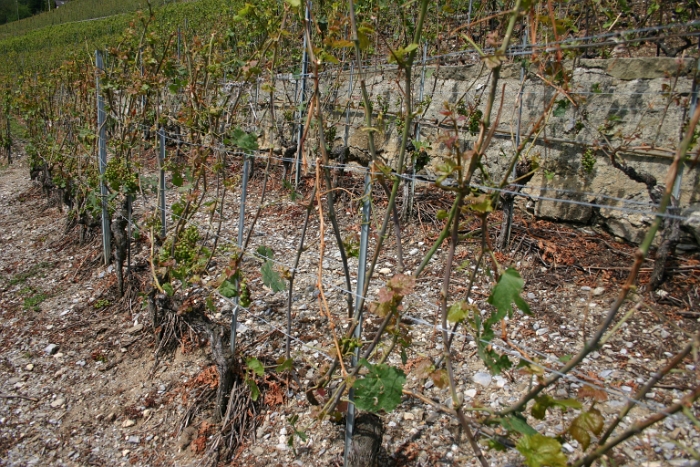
x: 286, y: 364
x: 587, y: 422
x: 482, y: 205
x: 561, y: 107
x: 364, y: 33
x: 245, y: 141
x: 265, y: 252
x: 177, y: 179
x: 517, y: 424
x: 506, y: 292
x: 341, y: 43
x: 539, y: 409
x: 542, y: 403
x: 254, y: 364
x: 294, y: 3
x: 458, y: 312
x: 540, y: 450
x: 410, y: 48
x: 228, y: 289
x: 568, y: 403
x: 254, y: 390
x: 211, y: 307
x: 271, y: 278
x: 168, y: 289
x: 496, y: 363
x: 496, y: 445
x: 380, y: 389
x: 328, y: 58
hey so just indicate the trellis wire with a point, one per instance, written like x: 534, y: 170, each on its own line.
x: 519, y: 50
x: 408, y: 178
x: 423, y: 179
x: 276, y: 328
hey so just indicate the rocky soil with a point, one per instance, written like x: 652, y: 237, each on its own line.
x: 80, y: 384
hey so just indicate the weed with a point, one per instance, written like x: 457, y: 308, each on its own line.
x: 22, y: 277
x: 588, y: 161
x: 101, y: 303
x: 293, y: 195
x: 32, y: 302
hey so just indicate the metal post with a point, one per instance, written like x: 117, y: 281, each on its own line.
x: 421, y: 90
x: 469, y: 14
x: 257, y: 102
x: 146, y: 128
x: 179, y: 40
x: 102, y: 162
x: 346, y: 136
x: 302, y: 99
x: 9, y: 139
x: 509, y: 203
x: 520, y: 100
x: 241, y: 225
x: 161, y: 187
x: 359, y: 303
x: 422, y: 85
x: 244, y: 189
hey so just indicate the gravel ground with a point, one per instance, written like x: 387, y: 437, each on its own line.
x: 80, y: 385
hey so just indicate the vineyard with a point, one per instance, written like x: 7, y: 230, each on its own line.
x: 353, y: 233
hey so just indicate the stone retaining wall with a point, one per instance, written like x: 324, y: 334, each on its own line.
x: 636, y: 105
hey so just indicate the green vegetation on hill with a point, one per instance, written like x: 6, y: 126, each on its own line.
x: 14, y: 10
x: 76, y: 10
x: 42, y: 47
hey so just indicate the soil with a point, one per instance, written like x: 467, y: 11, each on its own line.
x: 81, y: 384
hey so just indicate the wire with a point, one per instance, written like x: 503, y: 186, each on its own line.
x: 414, y: 178
x: 532, y: 196
x: 283, y: 332
x: 529, y: 49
